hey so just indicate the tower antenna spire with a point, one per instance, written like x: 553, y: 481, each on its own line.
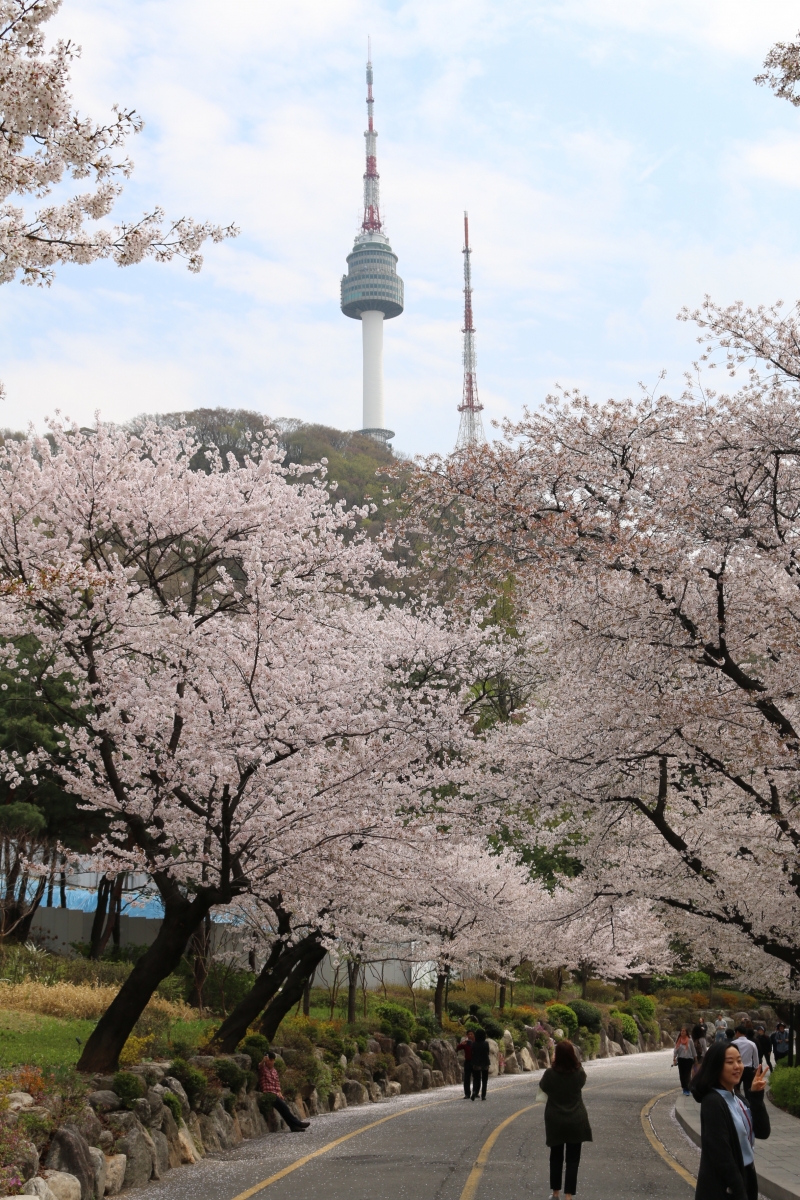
x: 372, y: 202
x: 470, y: 429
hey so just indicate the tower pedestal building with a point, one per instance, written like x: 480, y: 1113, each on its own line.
x: 372, y: 291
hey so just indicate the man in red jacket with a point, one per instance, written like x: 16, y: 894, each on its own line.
x: 269, y: 1083
x: 466, y: 1045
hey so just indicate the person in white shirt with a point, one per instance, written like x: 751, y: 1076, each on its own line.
x: 749, y: 1055
x: 720, y: 1028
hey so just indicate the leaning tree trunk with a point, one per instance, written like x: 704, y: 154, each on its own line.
x: 307, y: 994
x: 438, y: 996
x: 102, y: 1050
x: 353, y: 968
x: 291, y: 991
x: 104, y: 887
x: 281, y: 962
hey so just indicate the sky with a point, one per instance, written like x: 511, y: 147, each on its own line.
x: 615, y: 156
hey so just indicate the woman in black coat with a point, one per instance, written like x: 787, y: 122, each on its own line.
x: 728, y: 1126
x: 480, y: 1065
x: 566, y: 1121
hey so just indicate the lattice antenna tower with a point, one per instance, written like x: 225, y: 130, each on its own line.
x: 470, y: 429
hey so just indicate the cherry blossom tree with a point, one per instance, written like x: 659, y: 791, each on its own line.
x: 241, y: 698
x: 650, y: 548
x: 44, y: 141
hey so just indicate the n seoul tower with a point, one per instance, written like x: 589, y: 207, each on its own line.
x: 372, y: 291
x: 470, y: 428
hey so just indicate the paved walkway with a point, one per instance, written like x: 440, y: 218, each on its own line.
x: 437, y: 1146
x: 777, y: 1160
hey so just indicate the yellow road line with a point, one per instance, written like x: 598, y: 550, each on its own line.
x: 471, y: 1186
x: 655, y: 1141
x: 301, y: 1162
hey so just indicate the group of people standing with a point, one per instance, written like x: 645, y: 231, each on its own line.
x: 566, y: 1121
x: 754, y: 1044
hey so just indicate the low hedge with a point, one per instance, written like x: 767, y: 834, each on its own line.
x: 563, y: 1017
x: 784, y: 1086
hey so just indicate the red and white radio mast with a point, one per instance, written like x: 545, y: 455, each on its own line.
x: 470, y: 429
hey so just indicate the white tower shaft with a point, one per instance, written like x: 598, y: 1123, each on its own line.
x: 372, y: 335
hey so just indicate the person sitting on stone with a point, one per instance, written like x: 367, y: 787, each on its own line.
x: 269, y: 1083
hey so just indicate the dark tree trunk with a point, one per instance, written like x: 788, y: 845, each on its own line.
x: 62, y: 883
x: 559, y: 981
x: 98, y: 924
x: 291, y: 991
x: 307, y: 993
x: 502, y: 999
x: 102, y: 1050
x: 280, y: 963
x: 352, y: 991
x: 200, y: 949
x: 115, y: 908
x: 22, y: 930
x: 626, y: 988
x: 438, y: 996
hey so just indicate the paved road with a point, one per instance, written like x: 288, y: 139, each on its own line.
x: 427, y: 1148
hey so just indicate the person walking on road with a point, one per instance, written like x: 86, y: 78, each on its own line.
x: 720, y: 1028
x: 728, y: 1126
x: 764, y: 1043
x: 465, y: 1045
x: 269, y: 1083
x: 684, y: 1055
x: 566, y: 1121
x: 480, y: 1065
x: 749, y: 1055
x: 703, y: 1026
x: 780, y: 1043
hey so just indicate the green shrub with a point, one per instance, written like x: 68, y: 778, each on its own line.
x: 645, y: 1006
x: 630, y: 1030
x: 265, y: 1104
x: 784, y: 1086
x: 420, y: 1033
x: 229, y: 1103
x: 174, y: 1105
x: 256, y: 1045
x: 36, y: 1128
x: 457, y: 1009
x: 695, y: 981
x: 427, y: 1057
x: 229, y: 1074
x: 588, y: 1041
x: 193, y: 1081
x: 129, y: 1087
x: 563, y: 1017
x: 428, y: 1022
x: 587, y: 1014
x: 396, y: 1021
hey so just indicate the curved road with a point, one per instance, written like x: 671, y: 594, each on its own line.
x: 425, y: 1147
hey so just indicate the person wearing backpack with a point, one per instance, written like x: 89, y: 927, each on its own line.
x: 566, y: 1121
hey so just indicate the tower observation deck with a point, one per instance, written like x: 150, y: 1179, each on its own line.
x: 372, y: 291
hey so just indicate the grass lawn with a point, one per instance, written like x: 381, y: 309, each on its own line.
x: 40, y: 1041
x: 54, y: 1042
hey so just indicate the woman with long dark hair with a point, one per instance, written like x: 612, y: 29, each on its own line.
x: 728, y: 1126
x: 566, y: 1121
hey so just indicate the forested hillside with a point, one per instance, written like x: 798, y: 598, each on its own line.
x: 356, y: 464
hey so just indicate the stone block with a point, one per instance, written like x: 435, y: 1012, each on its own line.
x: 99, y: 1164
x: 426, y: 1078
x: 26, y: 1160
x: 393, y: 1088
x: 526, y: 1059
x: 138, y: 1158
x: 403, y: 1076
x: 37, y: 1186
x: 162, y: 1163
x: 355, y: 1092
x: 63, y: 1185
x: 445, y: 1060
x: 18, y: 1100
x: 336, y: 1100
x: 104, y: 1101
x: 69, y: 1153
x: 115, y: 1173
x: 629, y: 1048
x: 188, y: 1149
x: 494, y: 1057
x: 407, y: 1057
x: 437, y: 1079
